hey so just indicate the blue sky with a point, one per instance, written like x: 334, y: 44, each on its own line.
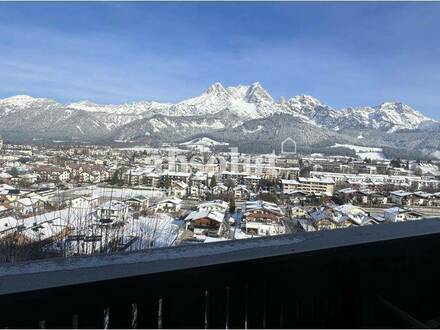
x: 345, y: 54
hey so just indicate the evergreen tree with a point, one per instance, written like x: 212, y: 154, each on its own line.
x: 115, y: 177
x: 166, y: 182
x: 213, y: 182
x: 230, y: 184
x: 395, y: 163
x: 232, y: 205
x: 13, y: 172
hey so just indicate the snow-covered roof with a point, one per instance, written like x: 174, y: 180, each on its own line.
x: 320, y: 214
x: 26, y: 201
x: 291, y: 181
x: 253, y: 177
x: 396, y: 210
x: 348, y: 191
x: 140, y: 171
x: 137, y: 199
x: 90, y: 197
x: 401, y: 193
x: 215, y: 203
x: 422, y: 194
x: 306, y: 225
x: 350, y: 212
x: 234, y: 173
x: 213, y: 215
x: 251, y: 206
x: 200, y: 176
x: 241, y: 188
x: 43, y: 230
x: 368, y: 192
x: 370, y: 220
x: 5, y: 186
x: 113, y: 205
x: 170, y: 201
x: 181, y: 184
x: 171, y: 173
x: 8, y: 223
x: 316, y: 180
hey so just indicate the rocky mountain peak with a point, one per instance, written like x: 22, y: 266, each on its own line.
x: 306, y: 100
x: 25, y: 101
x: 216, y: 89
x: 256, y: 94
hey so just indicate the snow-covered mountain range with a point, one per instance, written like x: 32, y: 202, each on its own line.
x: 218, y: 110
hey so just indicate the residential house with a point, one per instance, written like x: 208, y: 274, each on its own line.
x: 179, y: 188
x: 371, y: 197
x: 298, y: 212
x: 241, y: 192
x: 177, y: 176
x: 421, y: 198
x: 169, y: 205
x: 322, y: 218
x: 252, y: 181
x: 397, y: 214
x: 8, y: 225
x: 214, y: 206
x: 29, y: 205
x: 139, y: 203
x: 262, y: 218
x: 151, y: 180
x: 401, y: 197
x: 112, y: 211
x: 219, y: 188
x: 5, y: 178
x: 136, y: 176
x: 207, y: 223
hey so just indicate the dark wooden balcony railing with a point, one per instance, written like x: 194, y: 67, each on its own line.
x: 373, y: 276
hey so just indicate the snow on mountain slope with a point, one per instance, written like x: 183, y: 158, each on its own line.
x: 397, y: 115
x: 304, y: 104
x: 238, y: 92
x: 133, y: 108
x: 248, y: 102
x: 364, y: 152
x: 218, y: 108
x: 205, y: 141
x: 24, y: 103
x: 389, y: 116
x: 162, y: 128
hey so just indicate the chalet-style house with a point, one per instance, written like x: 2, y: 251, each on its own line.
x: 169, y: 205
x: 179, y: 188
x: 112, y: 211
x: 206, y: 223
x: 262, y: 218
x: 397, y: 214
x: 138, y: 204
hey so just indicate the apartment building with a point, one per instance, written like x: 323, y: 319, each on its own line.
x: 309, y: 185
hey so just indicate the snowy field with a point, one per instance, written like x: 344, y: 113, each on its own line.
x: 205, y: 141
x: 113, y: 192
x: 157, y: 230
x: 364, y: 152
